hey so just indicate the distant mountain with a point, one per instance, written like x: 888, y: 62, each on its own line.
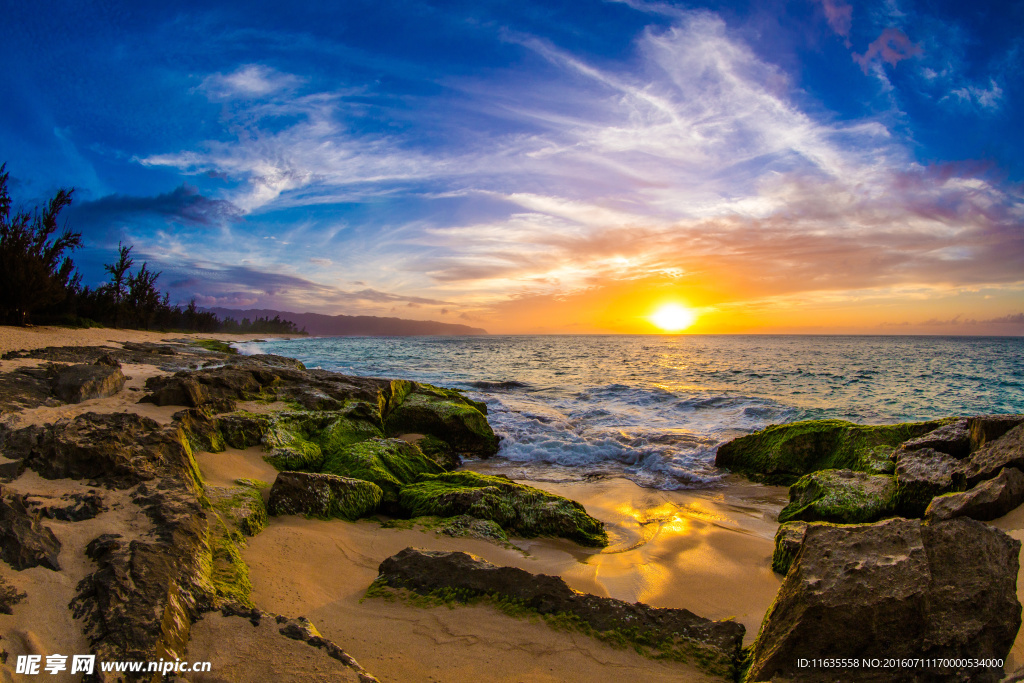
x: 353, y: 325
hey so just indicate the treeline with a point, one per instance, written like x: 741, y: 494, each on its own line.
x: 39, y: 282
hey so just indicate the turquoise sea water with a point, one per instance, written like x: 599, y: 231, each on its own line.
x: 655, y: 408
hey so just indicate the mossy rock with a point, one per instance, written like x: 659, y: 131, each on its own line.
x: 465, y: 526
x: 781, y: 454
x: 345, y: 431
x: 304, y: 456
x: 440, y: 452
x: 519, y: 509
x: 241, y: 506
x: 841, y: 496
x: 243, y: 430
x: 388, y: 463
x: 788, y: 539
x: 323, y: 495
x: 202, y: 431
x: 446, y: 415
x: 229, y: 575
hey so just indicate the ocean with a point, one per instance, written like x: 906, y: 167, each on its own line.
x: 655, y: 408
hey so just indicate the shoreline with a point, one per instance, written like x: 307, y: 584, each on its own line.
x: 705, y: 550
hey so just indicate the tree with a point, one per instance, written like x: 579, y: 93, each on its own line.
x: 143, y: 296
x: 119, y: 279
x: 34, y: 270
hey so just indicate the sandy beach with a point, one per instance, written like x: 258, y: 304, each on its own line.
x: 707, y: 551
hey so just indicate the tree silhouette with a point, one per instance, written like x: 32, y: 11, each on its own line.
x: 34, y: 270
x: 119, y: 279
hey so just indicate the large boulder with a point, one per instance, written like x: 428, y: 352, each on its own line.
x: 519, y: 509
x: 783, y: 453
x: 243, y: 430
x: 921, y: 475
x: 322, y: 495
x: 77, y: 383
x: 842, y: 496
x: 676, y: 633
x: 990, y: 459
x: 895, y: 589
x: 24, y: 541
x: 990, y: 499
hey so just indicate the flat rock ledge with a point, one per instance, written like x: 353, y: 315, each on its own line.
x: 679, y: 633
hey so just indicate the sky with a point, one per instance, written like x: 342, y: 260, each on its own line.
x: 566, y: 166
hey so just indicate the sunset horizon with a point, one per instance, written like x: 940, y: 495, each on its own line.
x: 820, y: 167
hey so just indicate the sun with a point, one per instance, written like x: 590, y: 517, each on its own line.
x: 673, y: 317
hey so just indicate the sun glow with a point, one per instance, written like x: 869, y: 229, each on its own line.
x: 673, y: 317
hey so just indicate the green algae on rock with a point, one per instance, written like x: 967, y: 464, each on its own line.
x: 780, y: 454
x: 519, y: 509
x: 242, y: 505
x: 388, y: 463
x: 447, y: 415
x: 322, y: 495
x: 788, y: 539
x: 842, y: 496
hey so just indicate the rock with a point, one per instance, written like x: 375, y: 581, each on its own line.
x: 990, y: 459
x: 120, y: 449
x: 921, y: 475
x: 990, y: 499
x: 841, y: 496
x: 243, y: 430
x: 895, y: 589
x: 241, y: 505
x: 202, y: 431
x: 985, y: 428
x: 388, y: 463
x: 9, y: 597
x: 78, y: 383
x: 445, y: 414
x: 465, y: 526
x: 715, y: 645
x: 149, y: 347
x: 439, y: 451
x: 84, y: 506
x: 176, y: 391
x: 519, y: 509
x: 783, y: 453
x: 953, y: 439
x: 322, y: 495
x: 788, y: 539
x: 24, y: 541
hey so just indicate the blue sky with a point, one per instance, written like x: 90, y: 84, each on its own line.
x: 810, y: 165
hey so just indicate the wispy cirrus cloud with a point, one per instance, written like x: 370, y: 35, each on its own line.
x: 693, y: 163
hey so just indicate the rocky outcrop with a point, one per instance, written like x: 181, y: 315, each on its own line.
x: 322, y: 495
x: 842, y: 496
x: 990, y: 499
x: 987, y: 461
x: 24, y: 541
x: 447, y: 415
x: 922, y: 474
x: 119, y: 449
x: 670, y: 633
x: 898, y: 588
x: 783, y: 453
x: 77, y: 383
x: 986, y: 428
x: 202, y: 431
x: 519, y: 509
